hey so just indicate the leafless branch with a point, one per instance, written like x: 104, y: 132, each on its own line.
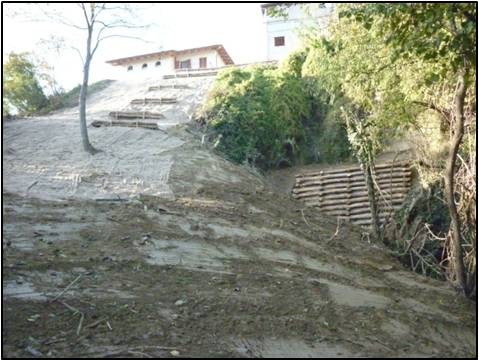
x: 85, y: 15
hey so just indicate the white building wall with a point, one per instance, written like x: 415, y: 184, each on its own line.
x: 213, y: 60
x: 289, y: 28
x: 167, y: 65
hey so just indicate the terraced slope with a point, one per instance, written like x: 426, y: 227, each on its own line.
x: 157, y: 247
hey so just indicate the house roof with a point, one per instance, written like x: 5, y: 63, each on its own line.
x: 162, y: 54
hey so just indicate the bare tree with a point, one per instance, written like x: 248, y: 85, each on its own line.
x: 99, y: 21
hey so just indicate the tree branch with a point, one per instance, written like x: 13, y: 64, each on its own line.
x: 443, y: 112
x: 85, y: 15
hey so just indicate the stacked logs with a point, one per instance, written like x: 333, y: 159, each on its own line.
x: 343, y: 192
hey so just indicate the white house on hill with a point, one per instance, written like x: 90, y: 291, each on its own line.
x: 282, y: 35
x: 169, y: 61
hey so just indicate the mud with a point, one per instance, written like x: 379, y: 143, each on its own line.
x: 221, y: 265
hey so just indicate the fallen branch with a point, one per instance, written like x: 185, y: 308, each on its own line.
x: 96, y: 323
x: 304, y: 218
x: 67, y: 287
x: 335, y: 233
x: 82, y: 316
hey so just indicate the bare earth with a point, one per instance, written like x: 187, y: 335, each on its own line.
x: 202, y: 258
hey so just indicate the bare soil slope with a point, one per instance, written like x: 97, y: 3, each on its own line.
x: 203, y: 259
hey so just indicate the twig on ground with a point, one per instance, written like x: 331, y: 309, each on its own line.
x: 82, y: 316
x: 96, y: 323
x: 67, y: 287
x: 55, y: 340
x: 335, y: 233
x: 139, y: 353
x: 71, y: 308
x: 31, y: 185
x: 304, y: 218
x: 75, y: 311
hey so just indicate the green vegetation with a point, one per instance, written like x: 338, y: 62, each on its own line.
x: 384, y: 71
x: 261, y: 115
x: 439, y: 43
x: 71, y: 98
x: 23, y: 92
x: 269, y: 117
x: 21, y: 86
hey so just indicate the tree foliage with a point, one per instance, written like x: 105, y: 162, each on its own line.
x: 391, y: 64
x: 446, y: 35
x: 21, y: 85
x: 260, y: 114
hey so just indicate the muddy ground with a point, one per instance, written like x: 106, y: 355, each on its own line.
x: 220, y: 266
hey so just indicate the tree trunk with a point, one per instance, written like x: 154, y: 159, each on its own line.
x: 457, y: 256
x: 83, y: 93
x: 372, y: 200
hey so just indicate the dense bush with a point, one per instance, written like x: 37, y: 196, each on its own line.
x: 261, y: 115
x: 21, y: 87
x: 270, y: 117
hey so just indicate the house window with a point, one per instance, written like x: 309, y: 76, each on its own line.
x: 144, y: 66
x: 279, y: 41
x: 158, y: 63
x: 202, y: 62
x: 130, y: 68
x: 185, y: 64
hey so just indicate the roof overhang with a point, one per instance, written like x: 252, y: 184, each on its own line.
x: 163, y: 54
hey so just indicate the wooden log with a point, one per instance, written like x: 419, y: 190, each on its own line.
x: 366, y: 222
x: 354, y: 207
x: 347, y: 199
x: 116, y: 123
x: 356, y: 169
x: 361, y: 218
x: 354, y: 178
x: 145, y: 101
x: 136, y: 115
x: 351, y: 202
x: 348, y: 193
x: 350, y: 177
x: 172, y: 86
x: 351, y: 173
x: 383, y: 184
x: 351, y: 192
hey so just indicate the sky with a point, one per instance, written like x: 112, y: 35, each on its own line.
x: 239, y: 27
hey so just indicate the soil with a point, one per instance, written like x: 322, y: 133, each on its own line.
x: 210, y: 261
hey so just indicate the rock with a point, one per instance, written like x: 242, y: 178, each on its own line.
x: 33, y: 351
x: 180, y: 302
x: 175, y: 353
x: 33, y: 318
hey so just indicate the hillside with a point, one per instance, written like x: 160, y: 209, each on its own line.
x: 158, y: 247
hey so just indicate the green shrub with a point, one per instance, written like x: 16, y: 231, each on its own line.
x: 273, y: 117
x: 293, y: 64
x: 260, y: 113
x: 21, y: 87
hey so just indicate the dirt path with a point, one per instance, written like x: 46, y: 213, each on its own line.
x: 221, y: 266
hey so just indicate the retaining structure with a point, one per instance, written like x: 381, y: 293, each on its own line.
x: 342, y: 192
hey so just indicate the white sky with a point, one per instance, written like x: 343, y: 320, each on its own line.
x: 239, y: 27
